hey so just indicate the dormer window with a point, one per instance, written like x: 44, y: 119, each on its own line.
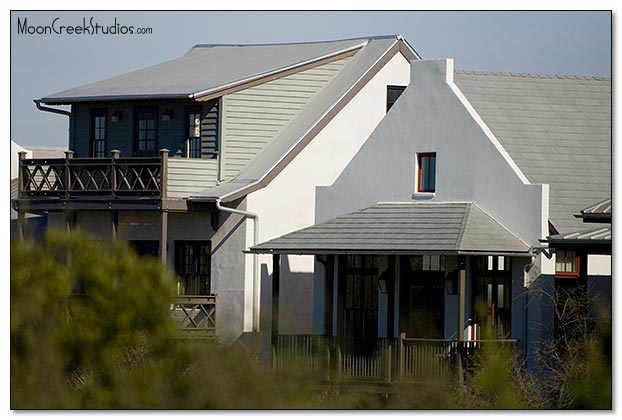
x: 426, y: 172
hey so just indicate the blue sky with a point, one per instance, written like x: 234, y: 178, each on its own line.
x: 570, y: 43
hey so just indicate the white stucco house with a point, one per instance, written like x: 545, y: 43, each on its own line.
x: 199, y: 158
x: 437, y: 228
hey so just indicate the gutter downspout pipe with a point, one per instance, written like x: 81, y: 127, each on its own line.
x: 57, y: 111
x: 52, y: 110
x: 256, y: 291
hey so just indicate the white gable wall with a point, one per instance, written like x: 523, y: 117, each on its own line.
x: 431, y: 116
x: 288, y: 202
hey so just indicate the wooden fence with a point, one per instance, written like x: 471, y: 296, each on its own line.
x: 375, y: 359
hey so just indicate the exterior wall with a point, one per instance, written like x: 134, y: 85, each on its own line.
x: 253, y: 117
x: 288, y: 202
x: 227, y: 262
x: 171, y: 134
x: 599, y: 265
x: 430, y: 116
x: 189, y: 176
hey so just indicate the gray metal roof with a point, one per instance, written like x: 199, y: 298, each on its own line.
x: 292, y: 138
x: 556, y: 128
x: 601, y: 234
x: 405, y: 227
x: 206, y: 68
x: 603, y: 207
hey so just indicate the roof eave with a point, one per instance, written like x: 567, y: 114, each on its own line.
x: 109, y: 98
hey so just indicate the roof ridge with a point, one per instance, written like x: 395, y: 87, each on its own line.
x: 268, y: 44
x: 531, y: 75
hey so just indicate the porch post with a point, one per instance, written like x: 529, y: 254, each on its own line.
x: 461, y: 296
x: 21, y: 215
x: 163, y: 211
x: 276, y: 277
x: 391, y: 296
x: 330, y: 287
x: 21, y: 225
x: 163, y: 235
x: 114, y: 224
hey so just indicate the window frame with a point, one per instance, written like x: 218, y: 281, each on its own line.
x: 99, y: 113
x: 138, y: 112
x: 189, y: 139
x: 394, y: 88
x: 191, y: 280
x: 420, y: 157
x: 568, y: 274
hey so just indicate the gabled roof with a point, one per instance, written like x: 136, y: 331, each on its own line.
x: 402, y: 228
x: 209, y: 68
x: 556, y: 128
x: 318, y: 113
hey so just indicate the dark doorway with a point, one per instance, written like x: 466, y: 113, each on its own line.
x: 422, y: 296
x: 492, y: 294
x: 361, y: 296
x: 146, y: 132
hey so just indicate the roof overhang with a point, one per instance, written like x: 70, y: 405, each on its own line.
x: 403, y: 228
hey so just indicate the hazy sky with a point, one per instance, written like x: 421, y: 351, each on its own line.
x: 571, y: 43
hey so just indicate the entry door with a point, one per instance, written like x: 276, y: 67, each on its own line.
x: 146, y: 132
x: 422, y: 304
x: 192, y: 264
x: 491, y: 297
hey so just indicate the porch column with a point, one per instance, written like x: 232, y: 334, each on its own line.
x: 163, y: 235
x: 329, y: 291
x: 391, y: 296
x: 276, y: 277
x: 21, y: 215
x: 114, y: 225
x: 21, y: 225
x: 461, y: 296
x: 163, y: 210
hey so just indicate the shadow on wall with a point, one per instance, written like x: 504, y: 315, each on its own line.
x: 295, y: 300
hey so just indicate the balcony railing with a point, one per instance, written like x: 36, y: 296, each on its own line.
x: 376, y: 359
x: 93, y: 177
x: 195, y: 314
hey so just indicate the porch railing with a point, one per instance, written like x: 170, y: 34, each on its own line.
x: 79, y: 177
x: 376, y: 359
x: 195, y: 314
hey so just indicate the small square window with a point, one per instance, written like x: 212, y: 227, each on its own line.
x: 566, y: 264
x: 426, y: 173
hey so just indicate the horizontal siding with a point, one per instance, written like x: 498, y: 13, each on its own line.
x: 189, y: 176
x: 255, y: 116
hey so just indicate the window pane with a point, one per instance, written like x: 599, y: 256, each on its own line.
x: 431, y: 184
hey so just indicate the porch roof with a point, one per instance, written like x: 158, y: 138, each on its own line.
x: 402, y: 228
x: 600, y: 234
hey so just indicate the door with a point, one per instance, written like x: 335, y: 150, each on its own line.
x: 193, y: 266
x: 145, y: 132
x: 491, y: 297
x: 361, y: 296
x: 422, y: 297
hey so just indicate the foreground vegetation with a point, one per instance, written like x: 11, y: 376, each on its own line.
x: 90, y: 329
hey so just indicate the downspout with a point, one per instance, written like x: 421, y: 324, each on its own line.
x: 256, y: 297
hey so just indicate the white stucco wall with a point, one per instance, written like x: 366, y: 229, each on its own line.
x: 431, y: 116
x: 288, y: 202
x: 599, y: 265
